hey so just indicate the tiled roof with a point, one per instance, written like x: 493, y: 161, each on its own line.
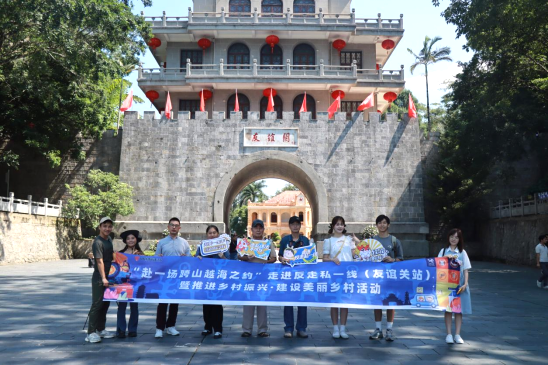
x: 286, y: 198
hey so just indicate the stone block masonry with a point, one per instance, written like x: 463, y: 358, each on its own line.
x: 193, y: 168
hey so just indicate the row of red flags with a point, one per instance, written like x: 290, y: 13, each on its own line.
x: 369, y: 102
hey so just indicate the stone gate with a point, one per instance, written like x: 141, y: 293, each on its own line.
x: 194, y: 168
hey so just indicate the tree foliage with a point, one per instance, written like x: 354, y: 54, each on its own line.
x: 497, y: 106
x: 238, y: 220
x: 102, y: 194
x: 252, y: 192
x: 60, y: 61
x: 428, y: 56
x: 287, y: 187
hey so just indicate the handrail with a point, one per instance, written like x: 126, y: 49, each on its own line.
x: 12, y: 205
x: 281, y: 18
x: 518, y: 207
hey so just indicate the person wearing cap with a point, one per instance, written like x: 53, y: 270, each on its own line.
x: 131, y: 238
x: 294, y: 240
x: 103, y: 253
x: 257, y: 231
x: 171, y: 245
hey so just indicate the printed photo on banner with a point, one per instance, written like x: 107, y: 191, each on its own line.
x: 120, y: 287
x: 301, y: 256
x: 448, y: 283
x: 215, y: 246
x: 370, y: 250
x: 250, y: 247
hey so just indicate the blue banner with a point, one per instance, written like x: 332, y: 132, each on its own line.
x: 413, y: 284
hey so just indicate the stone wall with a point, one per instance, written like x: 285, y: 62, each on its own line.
x: 364, y: 168
x: 35, y: 176
x: 512, y: 240
x: 30, y: 238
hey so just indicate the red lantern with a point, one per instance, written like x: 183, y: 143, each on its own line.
x: 390, y: 97
x: 388, y: 44
x: 335, y: 94
x: 266, y: 92
x: 339, y: 44
x: 273, y: 41
x: 152, y: 95
x: 378, y: 66
x: 207, y: 94
x: 204, y: 43
x: 154, y: 43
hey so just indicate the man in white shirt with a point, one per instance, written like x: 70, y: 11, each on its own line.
x: 172, y: 245
x: 542, y: 260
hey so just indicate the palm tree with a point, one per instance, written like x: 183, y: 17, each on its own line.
x: 253, y: 192
x: 427, y: 56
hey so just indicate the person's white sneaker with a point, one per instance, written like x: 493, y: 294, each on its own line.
x: 93, y: 338
x: 344, y: 335
x: 159, y: 333
x: 105, y: 334
x: 172, y: 331
x: 459, y: 339
x: 539, y: 284
x: 336, y: 333
x: 546, y: 287
x: 449, y: 339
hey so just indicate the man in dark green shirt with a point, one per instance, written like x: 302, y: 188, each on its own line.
x: 103, y: 253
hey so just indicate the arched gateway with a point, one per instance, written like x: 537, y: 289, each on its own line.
x: 271, y: 164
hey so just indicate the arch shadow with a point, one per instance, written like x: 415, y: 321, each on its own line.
x: 265, y: 165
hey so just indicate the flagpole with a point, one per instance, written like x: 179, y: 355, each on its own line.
x: 119, y: 102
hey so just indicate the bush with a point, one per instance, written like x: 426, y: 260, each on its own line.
x: 369, y: 232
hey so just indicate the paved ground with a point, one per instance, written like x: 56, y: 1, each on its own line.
x: 43, y: 307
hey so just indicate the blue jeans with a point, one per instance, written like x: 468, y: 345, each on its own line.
x: 290, y: 322
x: 232, y: 255
x: 133, y: 317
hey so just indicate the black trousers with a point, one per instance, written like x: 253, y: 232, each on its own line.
x: 99, y: 309
x: 213, y: 318
x: 161, y: 313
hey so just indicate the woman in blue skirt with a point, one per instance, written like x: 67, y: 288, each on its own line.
x: 456, y: 250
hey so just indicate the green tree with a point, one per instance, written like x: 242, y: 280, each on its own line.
x: 59, y: 60
x: 497, y: 106
x: 426, y: 57
x: 252, y: 192
x: 287, y: 187
x: 275, y: 237
x: 101, y: 194
x: 238, y: 220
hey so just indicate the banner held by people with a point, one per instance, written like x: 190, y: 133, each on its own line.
x: 301, y: 256
x: 430, y: 283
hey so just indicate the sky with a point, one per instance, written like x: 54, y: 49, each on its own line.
x: 420, y: 19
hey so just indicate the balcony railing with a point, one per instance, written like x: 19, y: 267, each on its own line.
x: 271, y: 18
x: 10, y: 204
x: 538, y: 204
x: 222, y: 70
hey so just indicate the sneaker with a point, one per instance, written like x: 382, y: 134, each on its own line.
x: 539, y: 284
x: 288, y: 335
x: 389, y: 335
x: 217, y: 335
x: 449, y: 339
x: 105, y: 334
x: 206, y: 332
x: 159, y: 333
x: 459, y: 339
x: 302, y: 334
x: 93, y: 338
x: 172, y: 331
x: 121, y: 334
x: 377, y: 335
x: 336, y: 333
x: 132, y: 334
x: 246, y: 334
x: 344, y: 335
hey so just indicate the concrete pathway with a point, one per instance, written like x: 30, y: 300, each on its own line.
x: 43, y: 307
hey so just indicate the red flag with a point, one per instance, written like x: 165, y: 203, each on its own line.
x: 168, y: 107
x: 127, y: 102
x: 412, y: 110
x: 202, y: 101
x: 367, y: 103
x: 270, y: 107
x: 237, y: 103
x: 334, y: 107
x: 303, y: 106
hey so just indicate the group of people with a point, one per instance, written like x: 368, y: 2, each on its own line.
x: 337, y: 248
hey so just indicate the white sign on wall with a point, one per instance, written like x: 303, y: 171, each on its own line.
x: 271, y: 137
